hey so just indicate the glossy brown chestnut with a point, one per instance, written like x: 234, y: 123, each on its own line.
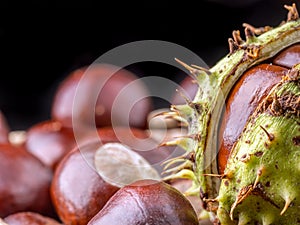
x: 77, y: 191
x: 147, y: 202
x: 30, y: 218
x: 248, y: 92
x: 4, y: 128
x: 245, y: 96
x: 49, y: 141
x: 88, y: 95
x: 24, y: 182
x: 288, y: 57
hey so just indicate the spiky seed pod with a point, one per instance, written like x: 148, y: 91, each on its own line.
x: 260, y: 181
x: 262, y: 175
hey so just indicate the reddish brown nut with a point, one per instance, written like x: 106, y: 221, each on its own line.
x: 30, y: 218
x: 24, y: 182
x: 288, y: 57
x: 248, y: 92
x: 147, y: 202
x: 91, y: 94
x: 4, y: 128
x: 49, y: 141
x: 77, y: 191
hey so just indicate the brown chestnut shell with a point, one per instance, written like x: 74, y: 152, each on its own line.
x: 24, y: 182
x: 77, y: 190
x: 147, y: 202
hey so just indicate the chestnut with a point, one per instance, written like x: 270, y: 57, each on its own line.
x: 4, y: 128
x: 288, y: 57
x: 244, y: 97
x: 30, y: 218
x: 247, y: 93
x: 103, y: 95
x: 149, y: 202
x: 24, y: 182
x: 77, y: 191
x: 49, y: 141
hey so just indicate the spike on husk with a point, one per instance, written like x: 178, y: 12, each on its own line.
x: 257, y: 187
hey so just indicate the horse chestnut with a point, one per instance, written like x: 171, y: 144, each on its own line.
x: 77, y: 190
x: 248, y: 92
x: 87, y: 96
x: 252, y: 87
x: 49, y: 141
x: 146, y: 202
x: 253, y: 178
x: 24, y: 182
x: 288, y: 57
x: 30, y: 218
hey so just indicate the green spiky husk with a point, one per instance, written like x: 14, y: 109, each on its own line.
x: 203, y: 113
x: 263, y: 172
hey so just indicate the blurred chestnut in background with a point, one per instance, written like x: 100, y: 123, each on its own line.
x: 88, y: 94
x: 4, y: 128
x: 49, y: 141
x: 24, y: 182
x: 30, y: 218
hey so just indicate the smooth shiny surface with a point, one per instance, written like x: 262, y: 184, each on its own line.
x: 49, y: 141
x: 247, y: 93
x: 288, y: 57
x: 92, y: 93
x: 77, y: 191
x: 24, y: 182
x: 30, y: 218
x: 147, y: 202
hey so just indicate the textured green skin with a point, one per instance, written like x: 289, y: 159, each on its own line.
x: 211, y: 96
x: 277, y: 163
x: 203, y: 114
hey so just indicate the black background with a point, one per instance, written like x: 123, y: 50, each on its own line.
x: 42, y: 41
